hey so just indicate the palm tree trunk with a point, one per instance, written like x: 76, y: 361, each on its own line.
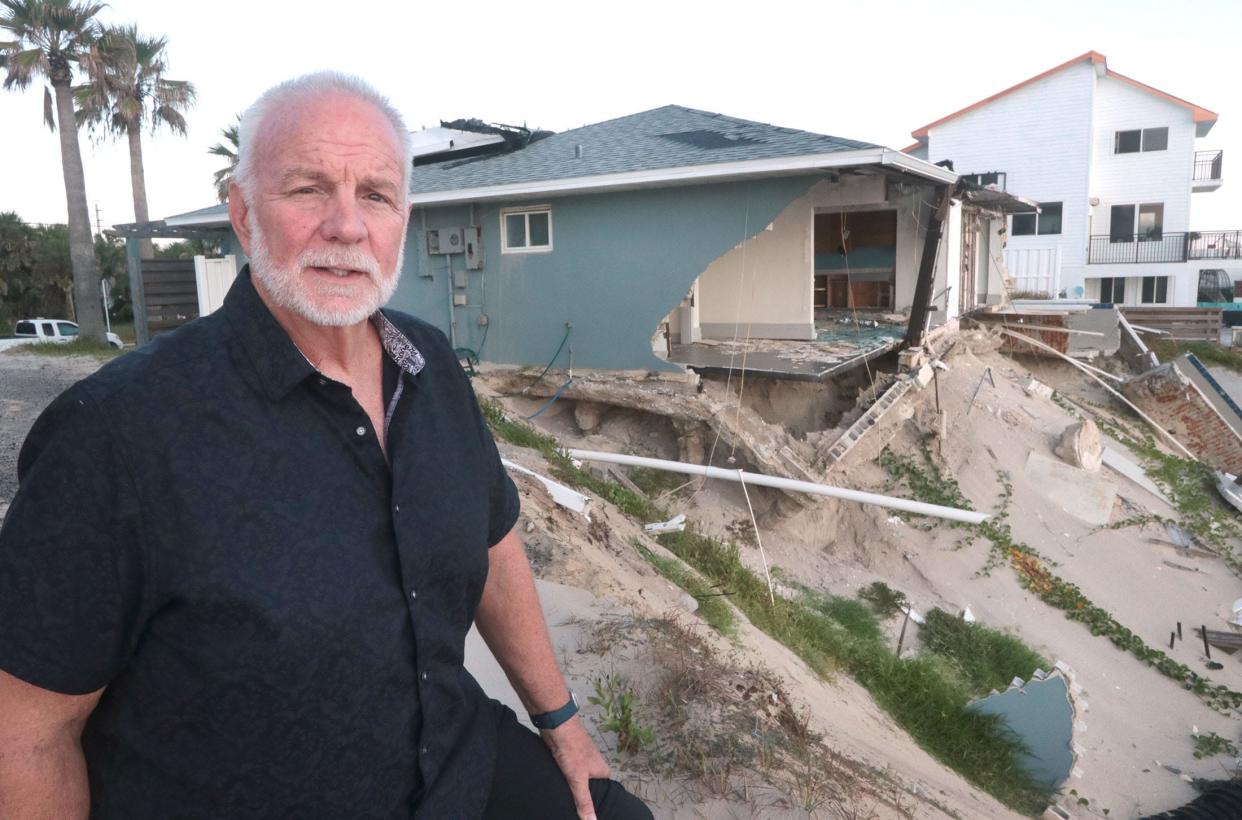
x: 81, y: 245
x: 138, y: 181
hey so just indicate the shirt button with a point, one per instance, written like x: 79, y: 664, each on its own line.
x: 424, y: 750
x: 323, y: 382
x: 396, y: 508
x: 424, y: 676
x: 362, y: 431
x: 413, y: 593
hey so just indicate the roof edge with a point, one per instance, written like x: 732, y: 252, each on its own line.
x: 716, y: 172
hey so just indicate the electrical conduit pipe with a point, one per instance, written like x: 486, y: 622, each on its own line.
x: 760, y: 480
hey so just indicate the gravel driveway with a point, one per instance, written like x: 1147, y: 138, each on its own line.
x: 28, y: 383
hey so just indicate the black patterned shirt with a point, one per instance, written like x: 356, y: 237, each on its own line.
x: 208, y: 528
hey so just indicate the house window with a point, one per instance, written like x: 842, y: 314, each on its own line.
x: 1151, y: 222
x: 1145, y: 139
x: 1048, y: 221
x: 1121, y: 224
x: 1155, y: 290
x: 1113, y: 290
x: 526, y: 230
x: 1049, y: 217
x: 1128, y: 142
x: 1155, y: 139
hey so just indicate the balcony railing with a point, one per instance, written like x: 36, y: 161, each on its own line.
x: 1167, y: 247
x: 1208, y: 165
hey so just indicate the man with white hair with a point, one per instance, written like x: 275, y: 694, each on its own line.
x: 239, y: 570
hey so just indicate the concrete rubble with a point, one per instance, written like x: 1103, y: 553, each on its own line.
x: 1080, y: 446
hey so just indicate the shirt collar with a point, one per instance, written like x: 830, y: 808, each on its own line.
x: 276, y: 359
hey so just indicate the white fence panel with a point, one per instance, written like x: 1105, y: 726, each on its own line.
x: 215, y: 277
x: 1034, y: 270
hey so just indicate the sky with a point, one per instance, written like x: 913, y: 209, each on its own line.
x: 868, y: 71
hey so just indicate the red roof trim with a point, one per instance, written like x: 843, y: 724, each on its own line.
x: 912, y: 147
x: 1093, y: 56
x: 1198, y: 113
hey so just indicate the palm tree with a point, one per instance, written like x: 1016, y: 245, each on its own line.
x: 227, y: 149
x: 127, y: 88
x: 50, y: 36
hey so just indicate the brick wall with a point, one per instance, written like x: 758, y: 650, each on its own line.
x: 1178, y: 406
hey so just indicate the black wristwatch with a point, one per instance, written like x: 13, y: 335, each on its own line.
x: 550, y: 720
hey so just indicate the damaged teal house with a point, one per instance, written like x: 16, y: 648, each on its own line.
x: 644, y: 234
x: 627, y: 243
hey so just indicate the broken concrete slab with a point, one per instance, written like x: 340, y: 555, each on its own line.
x: 1038, y: 388
x: 1117, y: 462
x: 1080, y: 446
x: 1083, y: 495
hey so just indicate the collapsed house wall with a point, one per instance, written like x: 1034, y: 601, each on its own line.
x: 1181, y: 408
x: 766, y: 283
x: 618, y: 262
x: 1094, y: 332
x: 1193, y: 369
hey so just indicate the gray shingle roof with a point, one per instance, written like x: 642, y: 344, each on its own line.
x: 668, y: 137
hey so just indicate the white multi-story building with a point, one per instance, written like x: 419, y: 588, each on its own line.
x: 1113, y: 164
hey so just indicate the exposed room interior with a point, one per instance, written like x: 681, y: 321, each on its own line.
x: 855, y: 260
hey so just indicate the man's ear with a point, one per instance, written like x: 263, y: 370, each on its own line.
x: 238, y: 211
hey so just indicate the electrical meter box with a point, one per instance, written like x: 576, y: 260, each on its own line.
x: 446, y: 240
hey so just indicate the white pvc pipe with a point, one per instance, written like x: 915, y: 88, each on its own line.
x: 758, y: 479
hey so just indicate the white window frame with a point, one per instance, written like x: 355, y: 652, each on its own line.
x: 526, y: 211
x: 1155, y: 290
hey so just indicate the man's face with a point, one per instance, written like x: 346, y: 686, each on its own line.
x: 325, y: 227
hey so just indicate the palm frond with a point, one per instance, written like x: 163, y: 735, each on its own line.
x: 171, y: 117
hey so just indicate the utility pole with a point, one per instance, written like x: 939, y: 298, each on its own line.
x: 98, y: 224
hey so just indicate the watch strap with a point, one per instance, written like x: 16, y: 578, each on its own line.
x: 550, y: 720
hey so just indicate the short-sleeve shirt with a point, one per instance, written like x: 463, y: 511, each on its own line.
x: 208, y: 527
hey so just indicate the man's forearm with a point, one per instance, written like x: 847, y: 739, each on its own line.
x: 510, y: 620
x: 46, y: 781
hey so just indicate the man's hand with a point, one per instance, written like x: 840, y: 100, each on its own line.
x: 579, y: 758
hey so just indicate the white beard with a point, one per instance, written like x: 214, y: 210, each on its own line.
x: 287, y: 288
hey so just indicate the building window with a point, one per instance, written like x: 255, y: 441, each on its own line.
x: 1113, y: 290
x: 1145, y: 139
x: 1048, y: 221
x: 526, y: 230
x: 1155, y: 139
x: 1049, y: 217
x: 1128, y: 142
x: 1151, y: 222
x: 1121, y: 223
x: 1155, y: 290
